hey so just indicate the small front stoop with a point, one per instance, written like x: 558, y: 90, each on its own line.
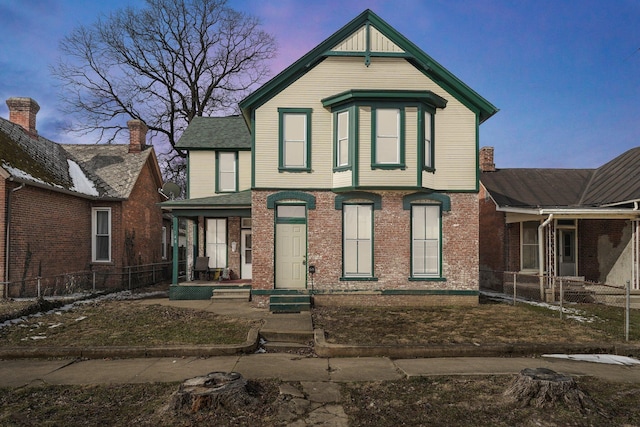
x: 289, y: 303
x: 288, y: 333
x: 238, y: 294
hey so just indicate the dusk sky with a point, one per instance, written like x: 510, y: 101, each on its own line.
x: 564, y: 74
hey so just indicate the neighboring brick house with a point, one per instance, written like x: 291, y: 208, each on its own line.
x: 69, y: 208
x: 561, y: 222
x: 363, y: 164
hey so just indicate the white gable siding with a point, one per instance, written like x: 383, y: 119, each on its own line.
x: 202, y: 174
x: 455, y: 138
x: 379, y: 43
x: 357, y: 42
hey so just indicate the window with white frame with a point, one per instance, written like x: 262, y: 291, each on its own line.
x: 387, y: 136
x: 295, y: 139
x: 101, y: 234
x: 216, y: 239
x: 425, y: 236
x: 358, y: 240
x: 227, y: 172
x: 529, y: 249
x: 342, y: 139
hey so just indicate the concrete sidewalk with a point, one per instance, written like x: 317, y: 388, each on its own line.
x: 287, y: 367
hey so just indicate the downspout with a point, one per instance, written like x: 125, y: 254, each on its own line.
x: 7, y: 232
x: 541, y: 253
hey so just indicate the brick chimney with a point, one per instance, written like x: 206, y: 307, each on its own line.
x: 137, y: 135
x: 486, y: 160
x: 22, y: 111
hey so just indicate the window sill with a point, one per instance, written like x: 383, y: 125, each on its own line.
x: 359, y: 279
x: 400, y: 166
x: 427, y: 279
x: 342, y: 168
x: 102, y: 263
x: 429, y: 169
x: 294, y: 170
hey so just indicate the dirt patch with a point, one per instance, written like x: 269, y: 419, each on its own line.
x: 432, y: 401
x: 125, y: 323
x: 485, y: 323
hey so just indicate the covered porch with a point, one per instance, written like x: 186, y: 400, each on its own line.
x: 219, y: 230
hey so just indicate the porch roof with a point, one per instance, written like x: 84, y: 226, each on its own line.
x: 241, y: 200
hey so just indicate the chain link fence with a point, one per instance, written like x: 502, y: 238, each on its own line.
x: 87, y: 282
x: 611, y: 308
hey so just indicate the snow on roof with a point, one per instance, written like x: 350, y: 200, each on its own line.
x: 81, y: 183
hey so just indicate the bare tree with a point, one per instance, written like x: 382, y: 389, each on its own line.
x: 163, y: 64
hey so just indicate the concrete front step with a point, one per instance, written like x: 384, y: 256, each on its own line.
x: 231, y: 294
x: 284, y: 347
x: 300, y: 337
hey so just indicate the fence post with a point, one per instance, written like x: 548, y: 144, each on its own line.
x: 94, y: 281
x: 561, y: 298
x: 627, y: 308
x: 129, y: 267
x: 153, y: 274
x: 515, y: 276
x: 38, y: 287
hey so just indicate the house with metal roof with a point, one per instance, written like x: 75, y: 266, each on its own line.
x: 355, y: 179
x: 562, y: 222
x: 72, y: 207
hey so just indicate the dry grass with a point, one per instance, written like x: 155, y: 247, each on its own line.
x: 125, y: 323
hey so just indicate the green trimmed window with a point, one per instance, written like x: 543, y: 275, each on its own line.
x: 227, y: 172
x: 342, y: 137
x: 295, y: 139
x: 425, y: 241
x: 427, y: 133
x: 357, y: 232
x: 388, y: 137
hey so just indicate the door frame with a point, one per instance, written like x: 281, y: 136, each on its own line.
x: 246, y: 269
x: 298, y: 219
x: 562, y: 232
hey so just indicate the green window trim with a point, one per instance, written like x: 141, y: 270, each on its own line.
x: 282, y: 114
x: 401, y: 138
x: 342, y: 199
x: 350, y: 138
x: 426, y: 156
x: 443, y: 199
x: 308, y: 199
x: 236, y: 172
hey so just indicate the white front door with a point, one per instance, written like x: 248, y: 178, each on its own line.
x: 245, y: 254
x: 566, y: 252
x: 291, y: 259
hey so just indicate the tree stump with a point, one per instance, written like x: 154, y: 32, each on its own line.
x: 211, y: 391
x: 544, y: 388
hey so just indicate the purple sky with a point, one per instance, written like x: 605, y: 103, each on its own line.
x: 564, y: 74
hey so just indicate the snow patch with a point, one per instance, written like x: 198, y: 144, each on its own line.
x: 19, y: 173
x: 610, y: 359
x: 81, y: 183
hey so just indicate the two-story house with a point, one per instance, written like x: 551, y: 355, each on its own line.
x: 364, y: 170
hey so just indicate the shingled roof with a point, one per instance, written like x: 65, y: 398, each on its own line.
x: 216, y: 133
x: 94, y: 171
x: 614, y: 183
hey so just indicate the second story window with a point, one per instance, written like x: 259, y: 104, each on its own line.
x: 226, y: 167
x: 295, y: 139
x: 342, y: 139
x: 428, y: 140
x: 388, y: 138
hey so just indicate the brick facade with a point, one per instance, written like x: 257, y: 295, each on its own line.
x: 392, y: 250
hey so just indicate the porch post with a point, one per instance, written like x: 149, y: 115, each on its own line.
x: 176, y: 232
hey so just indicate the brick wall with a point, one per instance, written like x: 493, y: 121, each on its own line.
x: 3, y: 224
x: 600, y: 244
x: 491, y: 242
x: 50, y: 234
x: 392, y: 240
x: 141, y: 228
